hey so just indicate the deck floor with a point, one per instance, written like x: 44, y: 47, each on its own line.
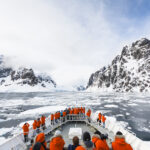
x: 65, y: 131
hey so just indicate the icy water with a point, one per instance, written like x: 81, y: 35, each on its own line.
x: 132, y: 110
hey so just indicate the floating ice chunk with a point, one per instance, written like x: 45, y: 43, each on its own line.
x: 111, y: 106
x: 5, y: 130
x: 41, y: 110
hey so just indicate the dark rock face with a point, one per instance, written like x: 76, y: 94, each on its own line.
x: 23, y: 76
x: 128, y: 72
x: 4, y: 71
x: 27, y: 76
x: 81, y: 88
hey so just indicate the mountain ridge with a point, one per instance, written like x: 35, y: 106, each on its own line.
x: 23, y: 76
x: 128, y: 72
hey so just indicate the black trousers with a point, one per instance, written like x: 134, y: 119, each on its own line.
x: 43, y: 126
x: 26, y: 138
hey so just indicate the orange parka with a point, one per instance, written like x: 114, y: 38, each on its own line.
x: 38, y: 124
x: 71, y: 111
x: 41, y: 138
x: 80, y: 148
x: 57, y: 143
x: 99, y: 144
x: 52, y: 117
x: 64, y: 114
x: 75, y: 111
x: 34, y: 125
x: 88, y: 113
x: 25, y: 128
x: 105, y: 143
x: 99, y: 116
x: 56, y: 116
x: 120, y: 144
x: 83, y: 111
x: 103, y: 118
x: 43, y: 119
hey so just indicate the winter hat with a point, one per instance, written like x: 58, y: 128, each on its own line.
x: 57, y: 132
x: 98, y: 132
x: 119, y: 133
x: 86, y: 136
x: 40, y: 137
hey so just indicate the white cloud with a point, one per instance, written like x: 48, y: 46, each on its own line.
x: 68, y: 39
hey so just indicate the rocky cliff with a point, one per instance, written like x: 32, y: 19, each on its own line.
x: 127, y: 72
x: 23, y: 76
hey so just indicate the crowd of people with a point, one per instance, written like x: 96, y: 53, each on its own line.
x: 97, y: 142
x: 39, y: 124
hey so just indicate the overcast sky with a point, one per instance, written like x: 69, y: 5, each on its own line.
x: 70, y: 39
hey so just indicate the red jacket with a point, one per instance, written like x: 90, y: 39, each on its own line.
x: 57, y: 143
x: 25, y: 129
x: 34, y: 124
x: 38, y: 124
x: 120, y: 144
x: 41, y: 138
x: 99, y: 116
x: 43, y: 119
x: 103, y: 118
x: 99, y: 144
x: 52, y: 117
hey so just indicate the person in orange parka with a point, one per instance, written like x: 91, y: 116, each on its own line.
x: 64, y: 115
x: 57, y: 142
x: 38, y: 125
x: 56, y: 116
x: 71, y: 112
x: 75, y: 111
x: 99, y: 144
x: 25, y: 128
x: 43, y: 122
x: 41, y: 139
x: 103, y: 120
x: 83, y: 110
x: 52, y: 119
x: 34, y: 126
x: 88, y: 114
x: 119, y: 143
x: 99, y: 117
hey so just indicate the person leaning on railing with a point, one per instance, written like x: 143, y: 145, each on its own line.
x: 43, y: 121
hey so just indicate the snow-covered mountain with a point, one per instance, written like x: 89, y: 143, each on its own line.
x: 128, y: 72
x: 23, y: 78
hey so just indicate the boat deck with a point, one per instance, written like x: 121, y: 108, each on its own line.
x: 79, y: 123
